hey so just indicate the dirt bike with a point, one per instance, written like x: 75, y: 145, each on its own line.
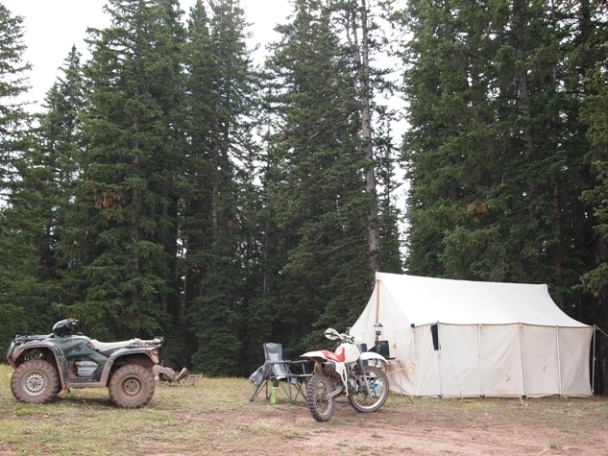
x: 346, y: 371
x: 46, y: 364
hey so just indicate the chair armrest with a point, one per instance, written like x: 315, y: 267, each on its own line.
x: 302, y: 363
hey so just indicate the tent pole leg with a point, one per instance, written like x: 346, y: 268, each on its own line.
x: 377, y: 301
x: 523, y: 361
x: 594, y: 360
x: 480, y: 354
x: 559, y: 362
x: 440, y: 370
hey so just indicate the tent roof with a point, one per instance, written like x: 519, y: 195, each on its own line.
x: 425, y: 300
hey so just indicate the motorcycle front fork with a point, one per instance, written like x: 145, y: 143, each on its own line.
x: 360, y: 364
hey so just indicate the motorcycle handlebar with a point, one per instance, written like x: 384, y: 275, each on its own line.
x: 347, y: 338
x: 332, y: 334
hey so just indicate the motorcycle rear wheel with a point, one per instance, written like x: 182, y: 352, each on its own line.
x: 321, y: 407
x: 378, y: 386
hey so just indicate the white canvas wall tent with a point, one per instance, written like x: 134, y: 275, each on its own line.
x: 455, y: 338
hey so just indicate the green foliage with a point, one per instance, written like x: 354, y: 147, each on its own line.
x: 494, y: 150
x: 126, y: 201
x: 28, y: 275
x: 220, y: 83
x: 13, y: 83
x: 596, y: 104
x: 316, y: 189
x: 143, y: 203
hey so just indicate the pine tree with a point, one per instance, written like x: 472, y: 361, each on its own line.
x: 589, y: 63
x: 13, y: 83
x: 445, y: 173
x: 195, y: 193
x: 14, y: 243
x: 494, y: 149
x: 61, y: 144
x: 220, y: 85
x: 360, y: 27
x: 35, y: 219
x: 127, y: 201
x: 316, y: 183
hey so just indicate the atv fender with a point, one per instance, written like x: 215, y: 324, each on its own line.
x: 57, y: 358
x: 147, y: 357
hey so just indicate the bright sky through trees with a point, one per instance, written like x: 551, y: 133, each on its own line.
x: 52, y: 27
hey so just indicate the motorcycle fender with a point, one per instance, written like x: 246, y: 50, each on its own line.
x: 317, y: 355
x: 366, y: 356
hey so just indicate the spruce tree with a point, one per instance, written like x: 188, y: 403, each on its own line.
x: 36, y: 218
x: 316, y: 183
x: 196, y: 196
x: 127, y: 201
x: 13, y: 84
x: 363, y: 28
x: 60, y: 138
x: 220, y: 86
x: 494, y: 146
x: 16, y: 252
x: 589, y: 60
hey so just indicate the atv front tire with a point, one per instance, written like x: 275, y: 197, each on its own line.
x: 131, y: 386
x: 35, y: 381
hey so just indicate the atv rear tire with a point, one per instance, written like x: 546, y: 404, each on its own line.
x: 35, y: 381
x: 131, y: 386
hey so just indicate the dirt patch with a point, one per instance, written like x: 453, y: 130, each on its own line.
x: 420, y: 427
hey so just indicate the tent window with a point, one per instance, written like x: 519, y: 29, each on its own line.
x: 435, y: 335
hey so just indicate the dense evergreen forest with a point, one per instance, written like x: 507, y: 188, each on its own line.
x: 171, y: 186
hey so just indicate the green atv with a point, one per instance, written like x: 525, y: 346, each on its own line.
x: 47, y: 364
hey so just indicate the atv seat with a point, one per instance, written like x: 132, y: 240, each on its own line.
x: 109, y: 347
x: 106, y: 348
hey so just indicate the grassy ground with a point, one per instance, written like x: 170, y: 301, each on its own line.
x: 214, y: 416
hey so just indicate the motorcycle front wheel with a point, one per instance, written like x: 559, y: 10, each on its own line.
x: 377, y: 381
x: 321, y: 407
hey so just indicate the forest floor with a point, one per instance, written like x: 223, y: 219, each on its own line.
x: 204, y: 416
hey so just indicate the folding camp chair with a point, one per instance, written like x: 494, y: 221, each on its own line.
x: 289, y: 375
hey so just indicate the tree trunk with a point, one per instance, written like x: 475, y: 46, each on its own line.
x: 373, y: 226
